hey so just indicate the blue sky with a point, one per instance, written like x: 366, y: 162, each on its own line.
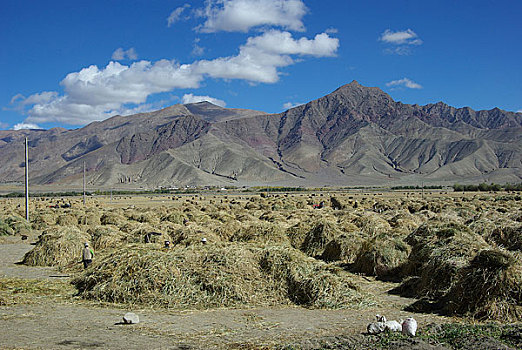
x: 68, y: 63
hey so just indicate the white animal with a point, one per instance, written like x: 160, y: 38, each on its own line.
x: 409, y: 327
x: 393, y: 326
x: 376, y: 327
x: 390, y: 326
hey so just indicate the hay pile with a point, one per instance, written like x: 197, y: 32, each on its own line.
x: 336, y: 204
x: 404, y: 222
x: 222, y: 216
x: 439, y: 250
x: 192, y: 235
x: 322, y: 232
x: 14, y: 225
x: 43, y: 219
x: 217, y: 275
x: 142, y: 216
x: 174, y: 216
x: 57, y: 246
x: 113, y: 218
x: 66, y: 219
x: 381, y: 256
x: 106, y: 237
x: 181, y: 277
x: 5, y: 229
x: 372, y: 224
x: 89, y: 218
x: 490, y: 287
x: 261, y: 232
x: 509, y: 237
x: 343, y: 247
x: 309, y: 282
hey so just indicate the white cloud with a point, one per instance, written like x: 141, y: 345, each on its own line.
x: 404, y: 82
x: 331, y: 30
x: 190, y: 98
x: 289, y: 105
x: 16, y: 98
x: 259, y: 59
x: 282, y: 43
x: 42, y: 97
x: 399, y: 50
x: 241, y: 15
x: 175, y: 15
x: 519, y: 111
x: 3, y: 125
x: 406, y: 37
x: 120, y: 54
x: 96, y: 93
x: 196, y: 49
x: 21, y: 126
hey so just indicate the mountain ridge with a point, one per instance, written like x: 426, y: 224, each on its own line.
x: 354, y: 135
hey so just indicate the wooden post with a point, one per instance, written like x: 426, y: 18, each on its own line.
x: 26, y: 181
x: 83, y: 183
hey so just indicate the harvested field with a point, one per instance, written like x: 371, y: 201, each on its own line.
x: 457, y: 255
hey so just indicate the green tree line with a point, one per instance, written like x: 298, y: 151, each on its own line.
x: 484, y: 187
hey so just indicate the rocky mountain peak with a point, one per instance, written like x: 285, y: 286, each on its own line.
x: 359, y: 94
x: 355, y: 134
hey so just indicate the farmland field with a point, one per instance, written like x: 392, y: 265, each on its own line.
x: 275, y: 270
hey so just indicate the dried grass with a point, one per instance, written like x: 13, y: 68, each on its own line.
x: 343, y: 247
x: 261, y: 232
x: 113, y: 218
x: 90, y: 218
x: 175, y: 216
x: 16, y: 291
x: 509, y: 237
x: 106, y: 237
x: 309, y: 282
x: 5, y: 229
x: 490, y: 287
x: 321, y: 233
x: 192, y: 235
x: 382, y: 256
x: 43, y: 219
x: 66, y: 219
x: 57, y: 246
x: 220, y: 275
x: 439, y: 251
x: 372, y: 224
x: 14, y: 225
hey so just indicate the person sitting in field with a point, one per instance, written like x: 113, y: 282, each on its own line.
x: 319, y: 206
x: 167, y: 245
x: 87, y: 255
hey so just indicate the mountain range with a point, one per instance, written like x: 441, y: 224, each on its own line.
x: 355, y: 135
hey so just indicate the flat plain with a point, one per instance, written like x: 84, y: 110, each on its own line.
x: 278, y: 270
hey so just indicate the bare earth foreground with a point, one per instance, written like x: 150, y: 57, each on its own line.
x: 71, y: 324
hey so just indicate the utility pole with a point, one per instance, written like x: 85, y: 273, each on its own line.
x: 84, y: 183
x: 26, y: 181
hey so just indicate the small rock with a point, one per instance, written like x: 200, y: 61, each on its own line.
x: 131, y: 318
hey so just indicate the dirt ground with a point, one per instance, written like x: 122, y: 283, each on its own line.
x: 73, y: 324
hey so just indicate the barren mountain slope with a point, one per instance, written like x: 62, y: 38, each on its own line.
x: 354, y: 135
